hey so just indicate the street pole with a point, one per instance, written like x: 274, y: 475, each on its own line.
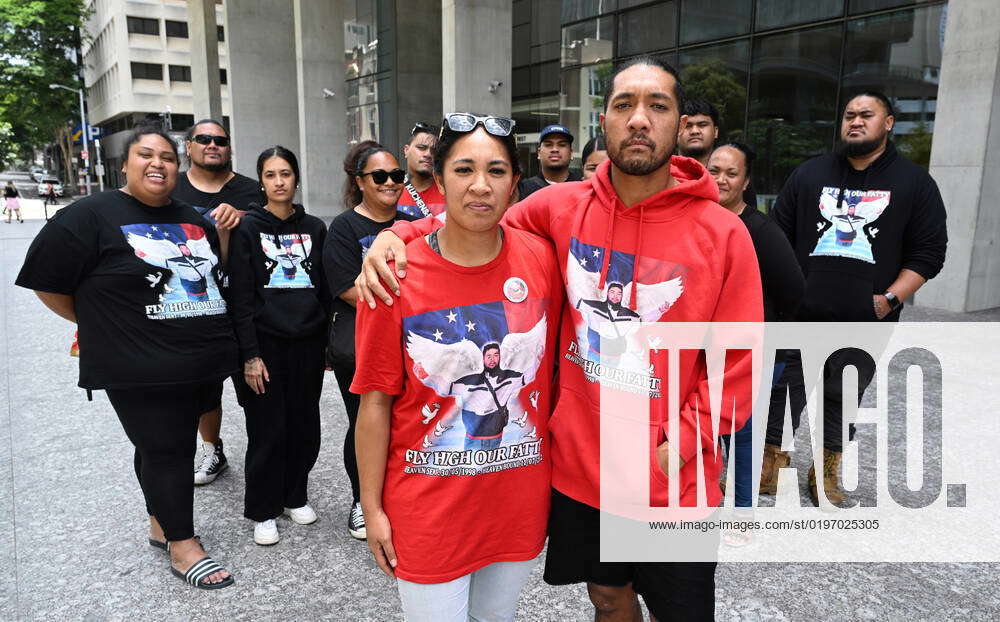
x: 98, y: 164
x: 85, y: 138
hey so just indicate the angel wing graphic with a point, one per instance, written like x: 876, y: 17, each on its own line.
x: 438, y: 365
x: 152, y: 251
x: 271, y: 250
x: 655, y: 299
x: 522, y: 352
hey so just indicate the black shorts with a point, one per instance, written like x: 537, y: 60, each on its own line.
x: 671, y: 591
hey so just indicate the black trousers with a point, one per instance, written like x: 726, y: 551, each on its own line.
x: 162, y: 422
x: 792, y: 387
x: 352, y: 403
x: 283, y: 431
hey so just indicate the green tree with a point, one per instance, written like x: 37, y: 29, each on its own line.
x: 711, y: 81
x: 916, y: 144
x: 38, y: 44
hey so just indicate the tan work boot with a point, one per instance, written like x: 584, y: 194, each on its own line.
x: 831, y: 478
x: 774, y: 460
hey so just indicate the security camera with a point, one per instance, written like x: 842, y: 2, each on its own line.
x: 494, y: 85
x: 327, y: 93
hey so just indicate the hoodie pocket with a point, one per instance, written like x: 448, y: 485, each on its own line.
x: 833, y: 296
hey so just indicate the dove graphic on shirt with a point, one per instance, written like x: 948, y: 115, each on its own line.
x: 429, y: 411
x: 441, y: 429
x: 154, y: 279
x: 522, y: 420
x: 533, y: 397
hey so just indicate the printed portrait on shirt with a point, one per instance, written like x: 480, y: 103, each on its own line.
x: 478, y: 359
x: 185, y: 283
x: 287, y: 259
x: 847, y: 230
x: 607, y: 327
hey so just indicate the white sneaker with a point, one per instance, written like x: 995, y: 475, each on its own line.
x: 266, y: 532
x: 213, y: 462
x: 304, y: 515
x: 356, y: 523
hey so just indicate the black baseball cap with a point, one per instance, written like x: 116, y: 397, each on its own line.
x: 555, y: 129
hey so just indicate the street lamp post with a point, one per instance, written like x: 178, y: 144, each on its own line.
x: 84, y: 130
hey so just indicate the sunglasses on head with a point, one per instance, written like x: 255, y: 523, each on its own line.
x: 380, y: 176
x: 423, y: 128
x: 205, y: 139
x: 465, y: 122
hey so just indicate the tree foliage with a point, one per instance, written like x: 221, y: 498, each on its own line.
x: 38, y: 43
x: 713, y: 82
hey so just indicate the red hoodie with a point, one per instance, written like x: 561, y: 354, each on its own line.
x: 696, y: 263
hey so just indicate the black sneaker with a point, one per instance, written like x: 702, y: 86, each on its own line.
x: 356, y: 522
x: 213, y: 462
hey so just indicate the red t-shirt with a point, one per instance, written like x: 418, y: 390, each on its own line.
x: 469, y: 353
x: 433, y: 202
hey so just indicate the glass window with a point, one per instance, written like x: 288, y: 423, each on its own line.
x: 521, y: 45
x: 531, y: 115
x: 223, y: 76
x: 718, y: 75
x: 545, y: 78
x: 147, y: 71
x: 143, y: 25
x: 521, y: 12
x: 360, y: 39
x: 647, y: 29
x: 573, y: 10
x: 521, y: 77
x: 776, y: 13
x: 899, y: 54
x: 792, y: 101
x: 588, y: 42
x: 714, y: 19
x: 176, y: 29
x: 220, y: 32
x: 180, y: 73
x: 863, y: 6
x: 583, y: 101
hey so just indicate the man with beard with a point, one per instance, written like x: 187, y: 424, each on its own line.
x: 699, y: 133
x: 868, y: 229
x: 421, y: 196
x: 217, y: 192
x: 484, y: 399
x: 641, y: 203
x: 555, y: 151
x: 602, y: 319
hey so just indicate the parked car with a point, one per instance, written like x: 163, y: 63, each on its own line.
x: 56, y: 185
x: 37, y: 173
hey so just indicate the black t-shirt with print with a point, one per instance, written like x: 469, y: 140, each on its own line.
x: 240, y: 192
x: 145, y: 282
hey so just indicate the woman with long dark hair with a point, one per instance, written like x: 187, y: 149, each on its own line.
x: 140, y: 275
x: 280, y: 304
x: 373, y: 185
x: 455, y: 382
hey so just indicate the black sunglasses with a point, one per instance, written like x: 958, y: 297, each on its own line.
x: 465, y: 122
x: 423, y: 128
x: 380, y: 176
x: 205, y: 139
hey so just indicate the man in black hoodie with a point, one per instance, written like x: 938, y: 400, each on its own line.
x: 868, y: 229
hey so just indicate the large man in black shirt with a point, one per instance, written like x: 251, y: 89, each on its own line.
x: 868, y: 229
x: 555, y: 151
x: 211, y: 186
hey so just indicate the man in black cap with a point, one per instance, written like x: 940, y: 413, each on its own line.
x: 555, y: 150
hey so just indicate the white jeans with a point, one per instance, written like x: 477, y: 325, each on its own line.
x: 489, y: 594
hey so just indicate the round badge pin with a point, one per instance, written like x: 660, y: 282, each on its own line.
x: 515, y: 289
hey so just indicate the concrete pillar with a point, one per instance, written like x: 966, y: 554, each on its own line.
x: 476, y: 56
x: 418, y: 66
x: 204, y: 39
x: 322, y: 103
x: 263, y: 88
x: 966, y: 156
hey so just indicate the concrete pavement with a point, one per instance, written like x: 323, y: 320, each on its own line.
x: 73, y: 532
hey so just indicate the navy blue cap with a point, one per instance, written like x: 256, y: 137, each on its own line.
x: 555, y: 129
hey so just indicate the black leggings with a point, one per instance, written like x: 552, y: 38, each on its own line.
x: 283, y: 427
x: 352, y: 403
x: 162, y: 423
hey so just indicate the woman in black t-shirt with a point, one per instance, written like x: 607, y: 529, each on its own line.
x: 139, y: 274
x: 12, y: 201
x: 371, y: 190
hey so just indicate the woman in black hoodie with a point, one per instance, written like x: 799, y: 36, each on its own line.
x: 279, y: 301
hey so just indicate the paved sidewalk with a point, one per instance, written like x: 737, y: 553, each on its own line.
x: 73, y: 540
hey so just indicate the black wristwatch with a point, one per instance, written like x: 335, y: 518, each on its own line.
x: 893, y: 301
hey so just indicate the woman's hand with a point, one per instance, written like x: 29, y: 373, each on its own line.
x: 255, y: 373
x: 375, y: 269
x: 226, y: 217
x: 380, y: 541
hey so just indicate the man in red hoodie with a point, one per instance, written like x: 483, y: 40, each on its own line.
x: 642, y: 240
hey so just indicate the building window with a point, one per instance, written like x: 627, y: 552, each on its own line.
x: 143, y: 26
x: 647, y: 29
x: 176, y: 29
x: 220, y: 32
x: 223, y: 77
x: 147, y: 71
x: 180, y: 73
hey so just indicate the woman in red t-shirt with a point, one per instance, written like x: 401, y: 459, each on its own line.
x: 455, y: 382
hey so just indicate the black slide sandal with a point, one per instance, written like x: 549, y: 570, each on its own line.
x: 199, y: 571
x: 163, y: 545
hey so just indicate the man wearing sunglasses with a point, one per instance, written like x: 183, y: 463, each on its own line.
x: 421, y: 196
x: 555, y: 151
x: 220, y: 195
